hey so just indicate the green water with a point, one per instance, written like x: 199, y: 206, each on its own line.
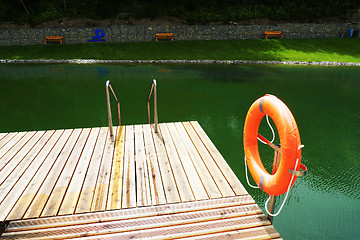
x: 325, y: 204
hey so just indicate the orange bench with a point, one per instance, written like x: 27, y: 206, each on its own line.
x: 164, y: 36
x: 54, y: 39
x: 273, y: 34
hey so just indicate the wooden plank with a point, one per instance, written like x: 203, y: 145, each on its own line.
x: 181, y: 230
x: 129, y: 186
x: 171, y: 192
x: 65, y: 146
x: 101, y: 188
x: 12, y: 147
x: 162, y: 218
x: 262, y: 232
x: 2, y: 135
x: 130, y: 213
x: 158, y: 227
x: 87, y: 191
x: 232, y: 179
x: 27, y: 170
x: 117, y: 172
x: 73, y: 191
x: 20, y: 178
x: 30, y: 192
x: 56, y: 197
x: 195, y: 182
x: 204, y: 174
x: 12, y: 172
x: 103, y: 180
x: 142, y: 173
x: 6, y: 138
x: 215, y: 172
x: 156, y: 184
x: 181, y: 179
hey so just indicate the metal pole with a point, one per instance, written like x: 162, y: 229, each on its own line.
x: 155, y: 107
x: 109, y: 109
x: 156, y: 121
x: 272, y: 197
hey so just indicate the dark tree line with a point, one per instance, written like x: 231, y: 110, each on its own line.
x: 192, y: 11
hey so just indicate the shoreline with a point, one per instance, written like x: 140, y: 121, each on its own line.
x: 207, y: 61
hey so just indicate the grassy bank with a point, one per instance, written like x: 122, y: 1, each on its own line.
x: 310, y: 50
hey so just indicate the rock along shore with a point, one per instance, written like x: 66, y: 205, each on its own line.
x: 231, y: 62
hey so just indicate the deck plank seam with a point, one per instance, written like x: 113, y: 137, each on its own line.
x: 39, y: 167
x: 157, y: 159
x: 47, y: 174
x: 207, y: 147
x: 236, y: 186
x: 17, y: 137
x: 15, y: 155
x: 166, y: 169
x: 191, y: 130
x: 26, y: 160
x: 185, y: 193
x: 102, y: 160
x: 196, y: 160
x: 5, y: 140
x: 155, y: 221
x: 74, y: 171
x: 130, y: 213
x: 65, y: 165
x: 89, y: 165
x: 56, y: 161
x: 182, y: 145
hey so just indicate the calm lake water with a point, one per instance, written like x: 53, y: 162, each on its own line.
x: 325, y: 204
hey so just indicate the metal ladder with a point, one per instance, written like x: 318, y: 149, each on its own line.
x: 153, y: 89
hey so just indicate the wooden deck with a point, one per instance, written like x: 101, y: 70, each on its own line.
x: 79, y: 183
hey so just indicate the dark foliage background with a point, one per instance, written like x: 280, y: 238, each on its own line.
x: 191, y: 11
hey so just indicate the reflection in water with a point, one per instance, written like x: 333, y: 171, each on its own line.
x: 325, y: 204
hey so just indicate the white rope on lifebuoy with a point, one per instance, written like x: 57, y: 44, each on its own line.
x: 287, y: 192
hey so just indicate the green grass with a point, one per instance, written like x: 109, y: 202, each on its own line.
x: 337, y: 50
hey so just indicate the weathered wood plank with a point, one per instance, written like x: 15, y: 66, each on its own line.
x: 129, y: 213
x: 204, y: 174
x: 142, y: 173
x: 45, y: 190
x: 261, y: 232
x: 156, y: 184
x: 171, y: 192
x: 5, y: 139
x: 56, y: 197
x: 71, y: 197
x: 16, y: 143
x: 117, y: 171
x: 129, y: 186
x: 103, y: 180
x: 185, y: 230
x: 215, y: 172
x: 220, y: 161
x: 12, y: 172
x: 159, y: 227
x: 30, y: 192
x: 181, y: 179
x: 189, y: 222
x: 87, y: 191
x: 195, y: 182
x: 21, y: 176
x: 2, y: 135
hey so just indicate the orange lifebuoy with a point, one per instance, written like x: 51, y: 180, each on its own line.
x: 278, y: 183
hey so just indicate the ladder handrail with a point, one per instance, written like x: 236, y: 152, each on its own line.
x: 153, y: 88
x: 108, y: 85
